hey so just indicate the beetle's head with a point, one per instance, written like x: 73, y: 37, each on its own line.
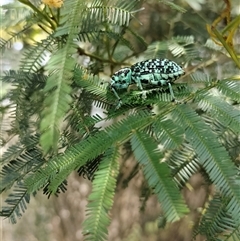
x: 121, y: 79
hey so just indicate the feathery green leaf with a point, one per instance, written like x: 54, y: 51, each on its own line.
x: 158, y: 176
x: 212, y: 155
x: 101, y: 198
x: 227, y: 114
x: 16, y: 203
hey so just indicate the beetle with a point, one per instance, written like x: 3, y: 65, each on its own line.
x: 152, y: 72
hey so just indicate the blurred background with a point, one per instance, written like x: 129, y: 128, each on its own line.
x: 60, y: 218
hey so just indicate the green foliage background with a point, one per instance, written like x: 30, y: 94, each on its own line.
x: 56, y: 132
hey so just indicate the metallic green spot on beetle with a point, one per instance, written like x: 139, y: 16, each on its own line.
x: 152, y: 72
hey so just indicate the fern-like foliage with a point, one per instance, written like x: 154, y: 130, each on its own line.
x: 58, y: 86
x: 217, y: 219
x: 25, y: 159
x: 17, y: 203
x: 158, y: 176
x: 101, y: 198
x: 35, y: 56
x: 26, y: 91
x: 63, y: 76
x: 178, y: 46
x: 77, y: 155
x: 209, y: 151
x: 114, y: 12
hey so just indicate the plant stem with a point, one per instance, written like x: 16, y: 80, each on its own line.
x: 36, y: 10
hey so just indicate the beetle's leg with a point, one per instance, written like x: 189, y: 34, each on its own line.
x: 119, y: 99
x: 136, y: 79
x: 139, y: 85
x: 171, y: 91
